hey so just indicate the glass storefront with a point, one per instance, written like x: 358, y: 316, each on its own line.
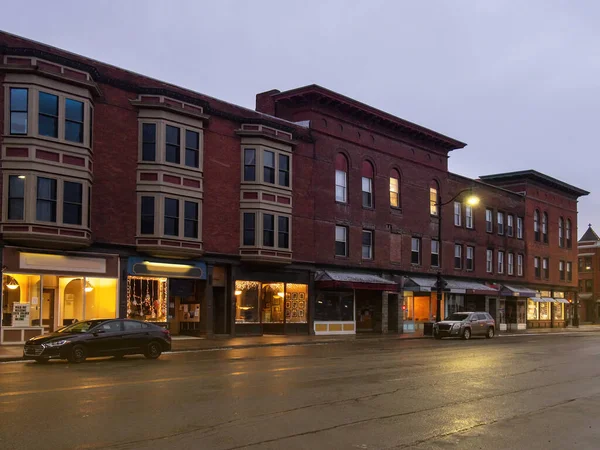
x: 49, y: 302
x: 270, y: 303
x: 334, y: 307
x: 147, y: 298
x: 420, y: 309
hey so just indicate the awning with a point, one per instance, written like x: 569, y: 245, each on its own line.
x: 427, y: 284
x: 517, y: 291
x: 585, y: 296
x: 353, y: 280
x: 561, y: 300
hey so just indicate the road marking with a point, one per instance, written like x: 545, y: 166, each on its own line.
x: 128, y: 383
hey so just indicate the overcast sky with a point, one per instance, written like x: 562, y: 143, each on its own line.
x: 518, y: 81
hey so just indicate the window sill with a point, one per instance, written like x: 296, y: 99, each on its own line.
x: 369, y: 208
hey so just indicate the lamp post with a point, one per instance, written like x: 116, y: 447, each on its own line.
x: 472, y: 200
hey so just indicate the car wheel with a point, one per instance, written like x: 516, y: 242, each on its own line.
x: 466, y: 334
x: 153, y: 350
x: 41, y: 360
x: 490, y: 333
x: 77, y: 354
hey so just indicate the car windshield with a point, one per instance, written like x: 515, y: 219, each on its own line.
x: 457, y: 317
x: 80, y: 327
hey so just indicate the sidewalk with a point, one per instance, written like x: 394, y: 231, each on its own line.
x: 185, y: 343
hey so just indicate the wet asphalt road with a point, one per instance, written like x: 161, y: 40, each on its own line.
x: 526, y: 392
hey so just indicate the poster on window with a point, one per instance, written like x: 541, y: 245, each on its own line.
x: 20, y: 315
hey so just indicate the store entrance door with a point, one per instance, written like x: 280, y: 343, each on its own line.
x: 48, y: 310
x: 220, y: 311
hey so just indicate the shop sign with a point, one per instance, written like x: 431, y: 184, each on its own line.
x: 20, y: 315
x: 166, y: 268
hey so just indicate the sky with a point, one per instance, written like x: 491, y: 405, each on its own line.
x: 518, y: 81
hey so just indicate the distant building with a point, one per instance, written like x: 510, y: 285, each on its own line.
x: 589, y: 276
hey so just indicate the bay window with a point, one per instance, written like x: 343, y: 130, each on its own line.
x: 72, y: 203
x: 172, y: 145
x: 149, y: 142
x: 19, y: 107
x: 48, y: 115
x: 147, y: 215
x: 268, y: 230
x: 16, y: 197
x: 284, y: 170
x: 249, y: 237
x: 190, y: 226
x: 171, y: 217
x: 73, y: 120
x: 283, y: 232
x: 261, y: 229
x: 249, y: 164
x: 46, y: 200
x: 192, y: 149
x: 269, y: 167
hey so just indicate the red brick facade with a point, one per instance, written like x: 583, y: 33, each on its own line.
x: 338, y: 125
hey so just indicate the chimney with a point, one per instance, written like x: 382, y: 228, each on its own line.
x: 265, y: 103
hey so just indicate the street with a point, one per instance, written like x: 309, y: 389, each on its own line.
x: 533, y: 392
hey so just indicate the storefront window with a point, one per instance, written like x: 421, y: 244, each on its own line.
x: 423, y: 308
x: 100, y: 298
x: 296, y: 303
x: 502, y: 311
x: 558, y: 311
x: 246, y: 300
x: 335, y: 306
x: 521, y: 311
x: 532, y: 310
x: 454, y: 303
x: 409, y: 308
x: 272, y: 302
x: 544, y: 311
x: 146, y: 298
x: 21, y: 306
x: 72, y: 300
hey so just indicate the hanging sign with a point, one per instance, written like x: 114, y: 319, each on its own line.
x: 20, y: 315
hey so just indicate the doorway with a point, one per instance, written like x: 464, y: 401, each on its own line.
x: 221, y: 322
x: 48, y: 297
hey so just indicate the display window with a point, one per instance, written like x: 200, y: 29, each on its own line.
x: 21, y: 306
x: 532, y: 310
x: 334, y: 307
x: 544, y: 311
x: 271, y: 302
x: 558, y: 311
x: 147, y: 299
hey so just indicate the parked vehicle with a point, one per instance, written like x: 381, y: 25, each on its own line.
x: 465, y: 325
x: 100, y: 337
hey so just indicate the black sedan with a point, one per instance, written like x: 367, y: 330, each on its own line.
x: 100, y: 337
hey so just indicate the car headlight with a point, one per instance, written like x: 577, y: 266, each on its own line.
x: 456, y: 326
x: 56, y: 343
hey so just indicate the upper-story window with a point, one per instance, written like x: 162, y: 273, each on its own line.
x: 457, y: 214
x: 489, y: 261
x: 470, y: 258
x: 545, y: 227
x: 269, y: 167
x: 536, y: 266
x: 457, y: 256
x: 489, y: 224
x: 500, y: 262
x: 367, y: 244
x: 45, y: 210
x: 435, y: 253
x: 147, y: 215
x: 341, y: 241
x: 569, y: 271
x: 510, y: 263
x: 500, y: 223
x: 171, y: 219
x: 520, y: 265
x: 394, y: 188
x: 546, y: 268
x: 510, y: 225
x: 434, y: 198
x: 48, y: 115
x: 284, y: 170
x: 16, y: 197
x: 561, y: 232
x: 568, y: 234
x: 367, y: 184
x: 415, y: 252
x: 175, y: 217
x: 536, y: 225
x: 72, y: 203
x: 170, y: 143
x: 73, y: 120
x: 561, y: 270
x: 249, y: 224
x: 341, y: 178
x: 469, y: 216
x: 19, y: 109
x: 519, y: 228
x: 249, y: 164
x: 149, y: 142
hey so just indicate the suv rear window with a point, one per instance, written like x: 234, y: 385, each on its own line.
x: 482, y: 317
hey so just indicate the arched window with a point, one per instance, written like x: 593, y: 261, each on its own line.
x: 341, y: 178
x: 434, y: 198
x: 561, y: 232
x: 367, y: 184
x: 568, y: 233
x: 394, y: 189
x: 536, y: 224
x: 545, y: 227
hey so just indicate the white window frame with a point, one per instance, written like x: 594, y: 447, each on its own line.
x: 469, y: 217
x: 457, y: 214
x: 519, y: 227
x: 489, y: 261
x: 500, y: 220
x: 159, y: 216
x: 341, y: 176
x: 367, y: 183
x: 500, y: 261
x: 433, y: 201
x: 520, y: 265
x: 342, y: 229
x: 370, y: 247
x: 395, y: 190
x: 470, y: 257
x: 510, y: 225
x: 436, y: 252
x: 458, y: 256
x: 510, y: 260
x: 489, y: 220
x: 418, y: 250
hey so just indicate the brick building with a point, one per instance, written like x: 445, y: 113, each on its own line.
x: 124, y: 196
x: 589, y: 281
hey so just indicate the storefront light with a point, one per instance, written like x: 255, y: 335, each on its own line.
x: 88, y: 287
x: 238, y: 292
x: 281, y: 294
x: 12, y: 283
x: 167, y: 265
x: 21, y: 177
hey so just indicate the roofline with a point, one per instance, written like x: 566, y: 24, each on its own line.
x: 488, y: 185
x: 96, y: 73
x: 446, y: 141
x: 537, y: 176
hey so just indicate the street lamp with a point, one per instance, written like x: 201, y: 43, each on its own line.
x: 471, y: 200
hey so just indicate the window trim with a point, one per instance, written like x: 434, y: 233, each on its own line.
x: 457, y: 214
x: 510, y: 225
x: 520, y: 264
x: 344, y: 186
x: 419, y: 251
x: 489, y: 222
x: 159, y: 216
x: 176, y: 218
x: 434, y: 203
x: 458, y: 257
x: 500, y: 223
x: 470, y: 267
x: 141, y: 215
x: 18, y: 111
x: 569, y: 269
x: 561, y: 270
x: 489, y: 261
x: 345, y: 241
x: 253, y: 229
x: 395, y: 193
x: 537, y: 266
x: 9, y: 198
x: 500, y: 262
x: 370, y: 204
x: 67, y: 120
x: 195, y: 221
x: 545, y: 227
x: 510, y: 263
x: 370, y: 246
x: 546, y: 268
x: 160, y: 154
x: 469, y: 223
x: 519, y: 227
x: 436, y: 253
x: 65, y: 202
